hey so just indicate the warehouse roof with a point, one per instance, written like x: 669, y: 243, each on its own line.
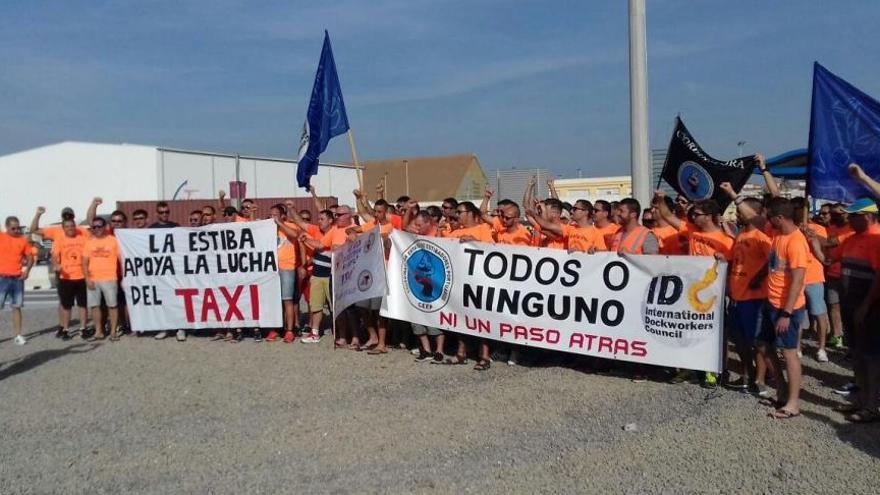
x: 431, y: 178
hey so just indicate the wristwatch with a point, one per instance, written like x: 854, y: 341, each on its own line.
x: 785, y: 314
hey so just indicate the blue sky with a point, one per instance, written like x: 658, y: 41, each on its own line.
x: 519, y: 83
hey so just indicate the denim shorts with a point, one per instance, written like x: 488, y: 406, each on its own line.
x: 289, y: 287
x: 745, y: 317
x: 11, y: 291
x: 767, y: 322
x: 816, y: 299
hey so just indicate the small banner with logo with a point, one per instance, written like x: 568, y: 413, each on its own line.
x: 358, y: 270
x: 223, y: 275
x: 660, y: 310
x: 696, y: 175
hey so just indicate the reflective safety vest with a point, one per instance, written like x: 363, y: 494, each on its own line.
x: 633, y: 243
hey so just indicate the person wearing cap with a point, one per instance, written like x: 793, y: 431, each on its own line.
x: 860, y: 308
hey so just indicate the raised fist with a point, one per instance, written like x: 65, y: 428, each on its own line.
x: 41, y: 210
x: 97, y: 200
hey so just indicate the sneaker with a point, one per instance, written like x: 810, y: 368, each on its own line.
x: 161, y: 335
x: 19, y: 340
x: 273, y: 336
x: 438, y: 358
x: 60, y: 332
x: 181, y: 335
x: 847, y: 389
x: 835, y: 342
x: 710, y: 380
x: 258, y: 335
x: 762, y: 391
x: 289, y: 336
x: 513, y: 359
x: 312, y: 338
x: 416, y: 352
x: 66, y: 335
x: 822, y: 356
x: 639, y: 378
x: 800, y: 354
x: 738, y: 384
x: 424, y: 357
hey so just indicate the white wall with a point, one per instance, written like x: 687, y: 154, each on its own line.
x: 71, y: 174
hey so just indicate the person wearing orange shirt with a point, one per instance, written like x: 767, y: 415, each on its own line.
x: 67, y: 253
x: 420, y: 222
x: 317, y: 266
x: 603, y: 220
x: 747, y: 290
x: 472, y: 229
x: 99, y: 261
x: 860, y: 307
x: 838, y: 232
x: 632, y: 238
x: 377, y: 326
x: 288, y: 262
x: 782, y: 314
x: 817, y: 310
x: 666, y: 234
x: 14, y: 248
x: 507, y: 227
x: 547, y: 212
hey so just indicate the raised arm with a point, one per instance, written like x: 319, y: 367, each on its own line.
x: 748, y: 213
x: 92, y: 211
x: 551, y: 186
x: 529, y: 193
x: 34, y: 227
x: 221, y: 201
x: 772, y: 187
x: 409, y: 213
x: 546, y: 225
x: 363, y: 208
x: 664, y: 210
x: 380, y: 190
x: 856, y: 172
x: 293, y: 216
x: 320, y: 205
x: 484, y: 205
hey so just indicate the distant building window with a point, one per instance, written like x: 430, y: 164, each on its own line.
x: 608, y: 191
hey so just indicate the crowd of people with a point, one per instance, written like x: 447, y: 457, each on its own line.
x: 788, y: 272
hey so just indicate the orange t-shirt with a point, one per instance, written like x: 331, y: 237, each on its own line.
x: 815, y: 269
x: 241, y: 219
x: 335, y: 237
x: 787, y: 252
x: 709, y: 243
x: 395, y: 220
x: 481, y: 232
x: 667, y: 239
x: 70, y: 251
x: 584, y: 238
x: 519, y: 237
x: 750, y: 252
x: 12, y: 250
x: 103, y: 255
x: 608, y: 232
x: 55, y: 232
x: 841, y: 234
x: 384, y: 228
x: 288, y: 249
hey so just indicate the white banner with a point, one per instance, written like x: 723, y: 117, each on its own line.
x: 359, y: 270
x: 223, y: 275
x: 661, y: 310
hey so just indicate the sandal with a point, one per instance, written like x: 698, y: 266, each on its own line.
x: 455, y: 360
x: 863, y: 416
x: 483, y: 365
x: 783, y: 414
x: 217, y: 336
x: 367, y: 347
x: 375, y: 351
x: 114, y: 338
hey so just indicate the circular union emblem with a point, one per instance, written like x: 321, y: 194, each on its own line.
x: 427, y: 271
x: 365, y: 280
x: 696, y: 181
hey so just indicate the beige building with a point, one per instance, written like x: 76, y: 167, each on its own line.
x: 593, y: 188
x: 427, y: 179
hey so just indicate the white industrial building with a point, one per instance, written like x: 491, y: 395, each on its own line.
x: 72, y: 173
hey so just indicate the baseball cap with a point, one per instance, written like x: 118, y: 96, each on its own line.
x: 863, y: 205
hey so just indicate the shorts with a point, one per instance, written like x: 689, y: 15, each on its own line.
x: 72, y: 291
x: 833, y: 288
x: 103, y: 290
x: 419, y: 330
x: 816, y: 299
x: 372, y: 304
x: 767, y: 322
x: 11, y: 291
x: 289, y: 285
x: 745, y: 317
x: 319, y: 293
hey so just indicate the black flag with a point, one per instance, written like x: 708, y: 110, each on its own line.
x: 696, y: 175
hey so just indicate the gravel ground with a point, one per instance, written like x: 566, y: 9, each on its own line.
x: 205, y: 417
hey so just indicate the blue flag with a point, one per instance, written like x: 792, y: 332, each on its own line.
x: 844, y: 129
x: 325, y: 119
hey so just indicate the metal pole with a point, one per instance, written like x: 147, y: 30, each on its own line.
x: 406, y: 171
x: 238, y: 181
x: 638, y: 103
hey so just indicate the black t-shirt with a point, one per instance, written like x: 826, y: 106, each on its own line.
x: 158, y: 225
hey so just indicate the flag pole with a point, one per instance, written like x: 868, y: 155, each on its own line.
x: 354, y: 159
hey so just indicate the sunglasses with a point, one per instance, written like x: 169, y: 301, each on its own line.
x: 573, y: 208
x: 338, y: 215
x: 139, y: 218
x: 97, y: 227
x: 163, y: 212
x: 14, y: 229
x: 116, y: 221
